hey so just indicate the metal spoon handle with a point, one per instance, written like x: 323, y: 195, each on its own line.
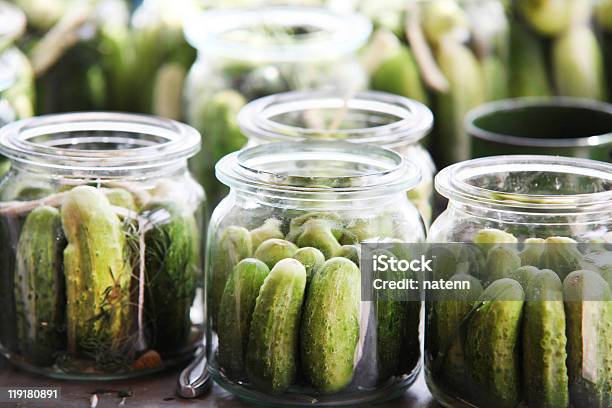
x: 195, y: 379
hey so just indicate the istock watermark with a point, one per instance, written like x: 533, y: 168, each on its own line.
x: 460, y: 271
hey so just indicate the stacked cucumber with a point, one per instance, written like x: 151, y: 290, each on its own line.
x: 285, y: 302
x: 76, y: 269
x: 539, y: 332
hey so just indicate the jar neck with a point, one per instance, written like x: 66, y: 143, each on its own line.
x: 371, y: 117
x: 277, y: 34
x: 509, y: 216
x: 539, y: 188
x: 99, y: 145
x: 354, y: 202
x: 169, y: 170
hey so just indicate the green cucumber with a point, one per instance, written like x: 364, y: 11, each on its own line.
x: 532, y: 251
x: 273, y: 250
x: 544, y: 371
x: 561, y: 255
x: 588, y: 307
x: 351, y: 252
x: 233, y: 246
x: 527, y: 79
x: 98, y: 272
x: 330, y: 325
x: 171, y: 273
x: 272, y: 352
x: 449, y: 314
x: 502, y: 261
x: 235, y: 312
x: 271, y: 228
x: 319, y: 233
x: 39, y: 286
x: 492, y: 344
x: 311, y: 258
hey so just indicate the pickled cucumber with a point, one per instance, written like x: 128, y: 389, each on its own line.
x: 492, y: 344
x: 273, y: 250
x: 588, y: 307
x: 464, y: 74
x: 578, y: 64
x: 272, y: 352
x: 400, y: 75
x: 560, y: 254
x: 532, y: 251
x: 234, y: 245
x: 449, y: 314
x: 330, y: 325
x: 235, y: 312
x: 311, y: 258
x: 270, y: 229
x: 502, y: 260
x: 39, y: 286
x: 544, y: 341
x: 97, y: 273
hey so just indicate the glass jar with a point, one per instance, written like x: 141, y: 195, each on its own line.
x: 451, y: 55
x: 101, y: 258
x: 244, y: 54
x: 535, y: 232
x: 567, y: 44
x: 368, y: 117
x: 296, y: 213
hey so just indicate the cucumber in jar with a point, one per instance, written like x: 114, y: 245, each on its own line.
x: 40, y: 287
x: 98, y: 273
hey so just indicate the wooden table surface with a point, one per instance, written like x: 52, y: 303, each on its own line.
x: 156, y: 392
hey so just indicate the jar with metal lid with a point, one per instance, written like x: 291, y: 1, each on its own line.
x: 531, y: 236
x: 371, y: 117
x: 244, y: 54
x: 286, y: 322
x: 100, y: 263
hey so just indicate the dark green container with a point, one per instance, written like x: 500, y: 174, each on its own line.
x: 552, y: 126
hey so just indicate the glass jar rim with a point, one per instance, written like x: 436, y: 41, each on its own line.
x: 338, y: 34
x: 508, y: 105
x: 166, y: 141
x: 12, y: 23
x: 379, y: 171
x: 451, y: 183
x: 413, y: 120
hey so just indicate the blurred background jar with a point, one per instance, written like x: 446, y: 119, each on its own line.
x: 529, y: 234
x: 560, y: 126
x: 285, y: 242
x: 451, y: 55
x: 244, y: 54
x: 16, y: 79
x: 104, y: 55
x: 376, y: 118
x: 101, y: 226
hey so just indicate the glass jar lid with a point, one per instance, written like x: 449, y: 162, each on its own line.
x: 365, y: 117
x: 277, y: 33
x: 100, y: 143
x: 327, y: 170
x: 530, y: 183
x: 12, y: 24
